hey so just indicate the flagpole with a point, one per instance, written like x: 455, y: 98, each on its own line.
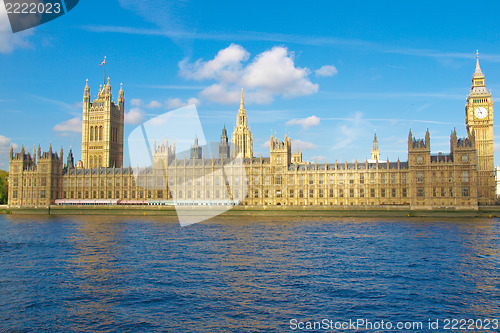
x: 104, y: 80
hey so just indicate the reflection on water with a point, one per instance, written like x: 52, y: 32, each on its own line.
x: 96, y: 273
x: 116, y: 274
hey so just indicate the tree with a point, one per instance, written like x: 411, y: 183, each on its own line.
x: 3, y: 187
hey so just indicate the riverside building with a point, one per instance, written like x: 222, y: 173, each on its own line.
x: 462, y: 179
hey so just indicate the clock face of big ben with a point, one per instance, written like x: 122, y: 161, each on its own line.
x: 480, y: 112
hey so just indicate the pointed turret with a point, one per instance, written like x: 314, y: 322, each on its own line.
x: 223, y: 137
x: 87, y: 88
x: 121, y: 96
x: 375, y: 150
x: 11, y: 152
x: 86, y: 96
x: 196, y: 150
x: 107, y: 90
x: 410, y: 140
x: 70, y: 161
x: 453, y: 140
x: 224, y: 151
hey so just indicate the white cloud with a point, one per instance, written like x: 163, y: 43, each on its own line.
x: 5, y: 144
x: 226, y: 65
x: 220, y: 94
x: 73, y: 125
x: 175, y: 103
x: 134, y: 116
x: 269, y: 74
x: 193, y: 100
x: 8, y: 40
x: 154, y: 105
x: 304, y: 122
x: 137, y: 102
x: 275, y: 71
x: 327, y: 70
x: 302, y: 145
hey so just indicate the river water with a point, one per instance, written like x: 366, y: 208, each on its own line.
x: 115, y: 274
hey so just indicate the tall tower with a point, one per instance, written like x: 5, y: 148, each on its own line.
x: 224, y: 145
x: 375, y: 150
x: 196, y: 150
x: 281, y: 152
x: 242, y: 138
x: 102, y: 129
x: 479, y: 120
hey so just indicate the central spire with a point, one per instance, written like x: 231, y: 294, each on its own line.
x: 242, y: 103
x: 242, y: 116
x: 242, y: 138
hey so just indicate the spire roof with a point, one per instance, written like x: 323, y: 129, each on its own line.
x: 242, y: 103
x: 478, y: 72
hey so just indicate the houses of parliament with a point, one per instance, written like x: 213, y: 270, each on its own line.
x: 462, y: 179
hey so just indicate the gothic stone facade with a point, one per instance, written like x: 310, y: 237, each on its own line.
x: 424, y: 181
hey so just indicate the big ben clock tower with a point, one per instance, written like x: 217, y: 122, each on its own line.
x: 479, y: 121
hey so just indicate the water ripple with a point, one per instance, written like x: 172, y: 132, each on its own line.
x: 114, y: 274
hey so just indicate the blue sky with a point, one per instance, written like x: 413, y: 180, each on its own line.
x: 328, y: 73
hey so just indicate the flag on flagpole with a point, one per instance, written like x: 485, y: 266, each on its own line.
x: 103, y: 62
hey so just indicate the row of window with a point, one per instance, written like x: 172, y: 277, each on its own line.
x: 420, y: 159
x: 351, y: 193
x: 145, y: 194
x: 464, y: 177
x: 443, y: 192
x: 27, y: 194
x: 29, y: 181
x: 278, y: 180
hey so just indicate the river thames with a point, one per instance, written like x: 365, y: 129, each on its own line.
x: 116, y: 274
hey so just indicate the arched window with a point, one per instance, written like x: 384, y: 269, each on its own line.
x: 91, y: 161
x: 100, y: 133
x: 92, y: 133
x: 100, y: 160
